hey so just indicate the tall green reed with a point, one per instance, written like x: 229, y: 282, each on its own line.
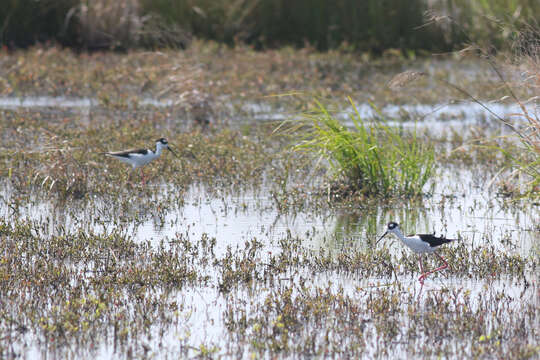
x: 373, y: 157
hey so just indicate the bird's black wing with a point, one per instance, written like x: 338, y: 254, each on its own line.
x: 433, y: 240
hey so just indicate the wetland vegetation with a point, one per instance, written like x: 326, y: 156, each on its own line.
x: 252, y: 244
x: 373, y: 158
x: 371, y: 26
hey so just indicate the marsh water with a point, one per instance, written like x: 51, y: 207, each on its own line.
x: 463, y: 203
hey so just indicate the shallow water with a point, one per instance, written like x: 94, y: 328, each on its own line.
x: 62, y: 102
x: 201, y: 320
x: 462, y: 206
x: 429, y: 115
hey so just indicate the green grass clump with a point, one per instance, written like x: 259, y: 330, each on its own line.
x: 373, y: 158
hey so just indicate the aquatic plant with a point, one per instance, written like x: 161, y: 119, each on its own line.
x: 371, y: 157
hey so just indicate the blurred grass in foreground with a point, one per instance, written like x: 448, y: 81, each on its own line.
x: 370, y: 25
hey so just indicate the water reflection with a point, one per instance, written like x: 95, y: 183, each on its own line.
x: 234, y: 218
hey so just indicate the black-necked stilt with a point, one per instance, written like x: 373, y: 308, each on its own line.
x: 420, y: 244
x: 139, y: 157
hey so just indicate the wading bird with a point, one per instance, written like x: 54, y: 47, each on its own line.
x: 420, y: 244
x: 139, y: 157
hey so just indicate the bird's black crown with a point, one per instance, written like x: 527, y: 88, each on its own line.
x: 392, y: 225
x: 162, y: 140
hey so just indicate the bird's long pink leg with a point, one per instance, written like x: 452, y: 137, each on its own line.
x: 129, y: 176
x: 437, y: 269
x: 421, y: 278
x: 142, y: 177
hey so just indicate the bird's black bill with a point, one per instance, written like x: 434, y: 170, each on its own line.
x: 171, y: 150
x: 383, y: 235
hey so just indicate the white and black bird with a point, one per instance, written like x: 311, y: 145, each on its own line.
x: 420, y: 244
x: 139, y: 157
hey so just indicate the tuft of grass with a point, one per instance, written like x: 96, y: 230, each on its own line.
x: 371, y: 157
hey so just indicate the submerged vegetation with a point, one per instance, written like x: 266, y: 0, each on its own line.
x: 372, y: 158
x: 75, y: 289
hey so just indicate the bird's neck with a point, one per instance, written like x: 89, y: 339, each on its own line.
x: 399, y: 234
x: 159, y: 149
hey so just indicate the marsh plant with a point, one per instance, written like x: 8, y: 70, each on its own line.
x: 373, y: 157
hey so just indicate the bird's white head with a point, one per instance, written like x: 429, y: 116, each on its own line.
x: 162, y: 143
x: 393, y: 228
